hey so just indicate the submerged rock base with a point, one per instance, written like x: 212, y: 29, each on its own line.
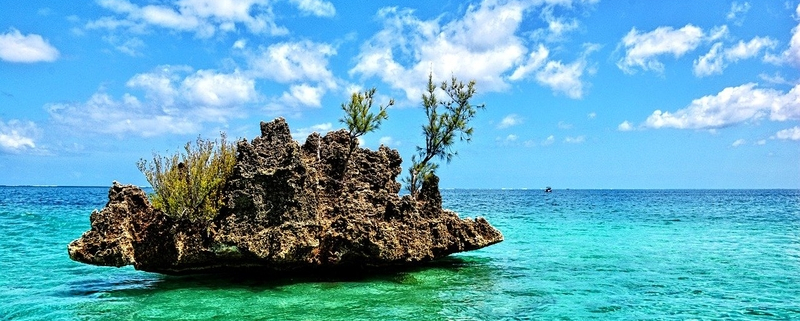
x: 287, y: 208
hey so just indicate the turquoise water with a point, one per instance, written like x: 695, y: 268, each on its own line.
x: 568, y: 255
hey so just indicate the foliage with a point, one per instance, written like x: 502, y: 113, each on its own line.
x: 189, y: 184
x: 448, y: 120
x: 358, y: 118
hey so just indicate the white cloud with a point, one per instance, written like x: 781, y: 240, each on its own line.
x: 718, y: 57
x: 316, y: 7
x: 131, y: 47
x: 625, y: 126
x: 302, y: 64
x: 792, y: 54
x: 103, y: 114
x: 789, y: 133
x: 535, y: 61
x: 204, y: 18
x: 557, y: 27
x: 16, y: 135
x: 482, y: 45
x: 643, y: 49
x: 176, y: 100
x: 302, y: 133
x: 739, y: 142
x: 549, y: 140
x: 560, y: 77
x: 731, y: 106
x: 510, y: 120
x: 30, y: 48
x: 591, y: 115
x: 289, y: 62
x: 737, y: 12
x: 511, y: 138
x: 209, y: 88
x: 761, y: 142
x: 303, y: 94
x: 777, y: 78
x: 388, y: 141
x: 575, y: 140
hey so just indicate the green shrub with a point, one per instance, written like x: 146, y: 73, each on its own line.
x: 189, y: 184
x: 448, y: 119
x: 357, y: 115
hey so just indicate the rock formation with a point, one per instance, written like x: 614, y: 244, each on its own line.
x: 319, y: 206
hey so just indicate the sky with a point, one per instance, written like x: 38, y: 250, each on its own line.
x: 595, y: 94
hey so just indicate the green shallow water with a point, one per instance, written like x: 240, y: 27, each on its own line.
x: 568, y: 255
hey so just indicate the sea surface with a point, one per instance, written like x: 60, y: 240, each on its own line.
x: 567, y: 255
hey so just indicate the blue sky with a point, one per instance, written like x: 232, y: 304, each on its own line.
x: 578, y: 94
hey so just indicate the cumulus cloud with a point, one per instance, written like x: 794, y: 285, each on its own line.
x: 789, y: 133
x: 176, y: 100
x: 563, y: 78
x: 558, y: 76
x: 625, y: 126
x: 738, y: 142
x: 303, y: 65
x: 718, y: 58
x: 30, y: 48
x: 204, y: 18
x: 212, y: 89
x: 17, y: 136
x: 288, y: 62
x: 482, y: 45
x: 642, y: 49
x: 510, y: 120
x: 732, y: 105
x: 302, y: 95
x: 792, y: 54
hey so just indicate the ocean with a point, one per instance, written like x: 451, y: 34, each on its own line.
x: 567, y: 255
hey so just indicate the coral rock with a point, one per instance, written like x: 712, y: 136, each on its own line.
x: 324, y: 205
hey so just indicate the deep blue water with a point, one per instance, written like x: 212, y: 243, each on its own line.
x: 568, y: 255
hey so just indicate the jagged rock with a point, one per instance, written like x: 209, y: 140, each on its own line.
x: 322, y: 205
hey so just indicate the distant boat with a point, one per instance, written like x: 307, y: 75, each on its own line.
x: 548, y: 189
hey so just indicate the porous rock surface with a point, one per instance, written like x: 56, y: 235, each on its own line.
x: 288, y: 208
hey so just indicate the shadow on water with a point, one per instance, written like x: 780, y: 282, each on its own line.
x: 452, y: 286
x: 259, y: 280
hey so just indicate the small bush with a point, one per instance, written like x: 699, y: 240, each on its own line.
x: 358, y: 116
x: 189, y: 184
x: 448, y: 119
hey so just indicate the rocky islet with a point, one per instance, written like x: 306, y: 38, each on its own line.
x: 288, y: 207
